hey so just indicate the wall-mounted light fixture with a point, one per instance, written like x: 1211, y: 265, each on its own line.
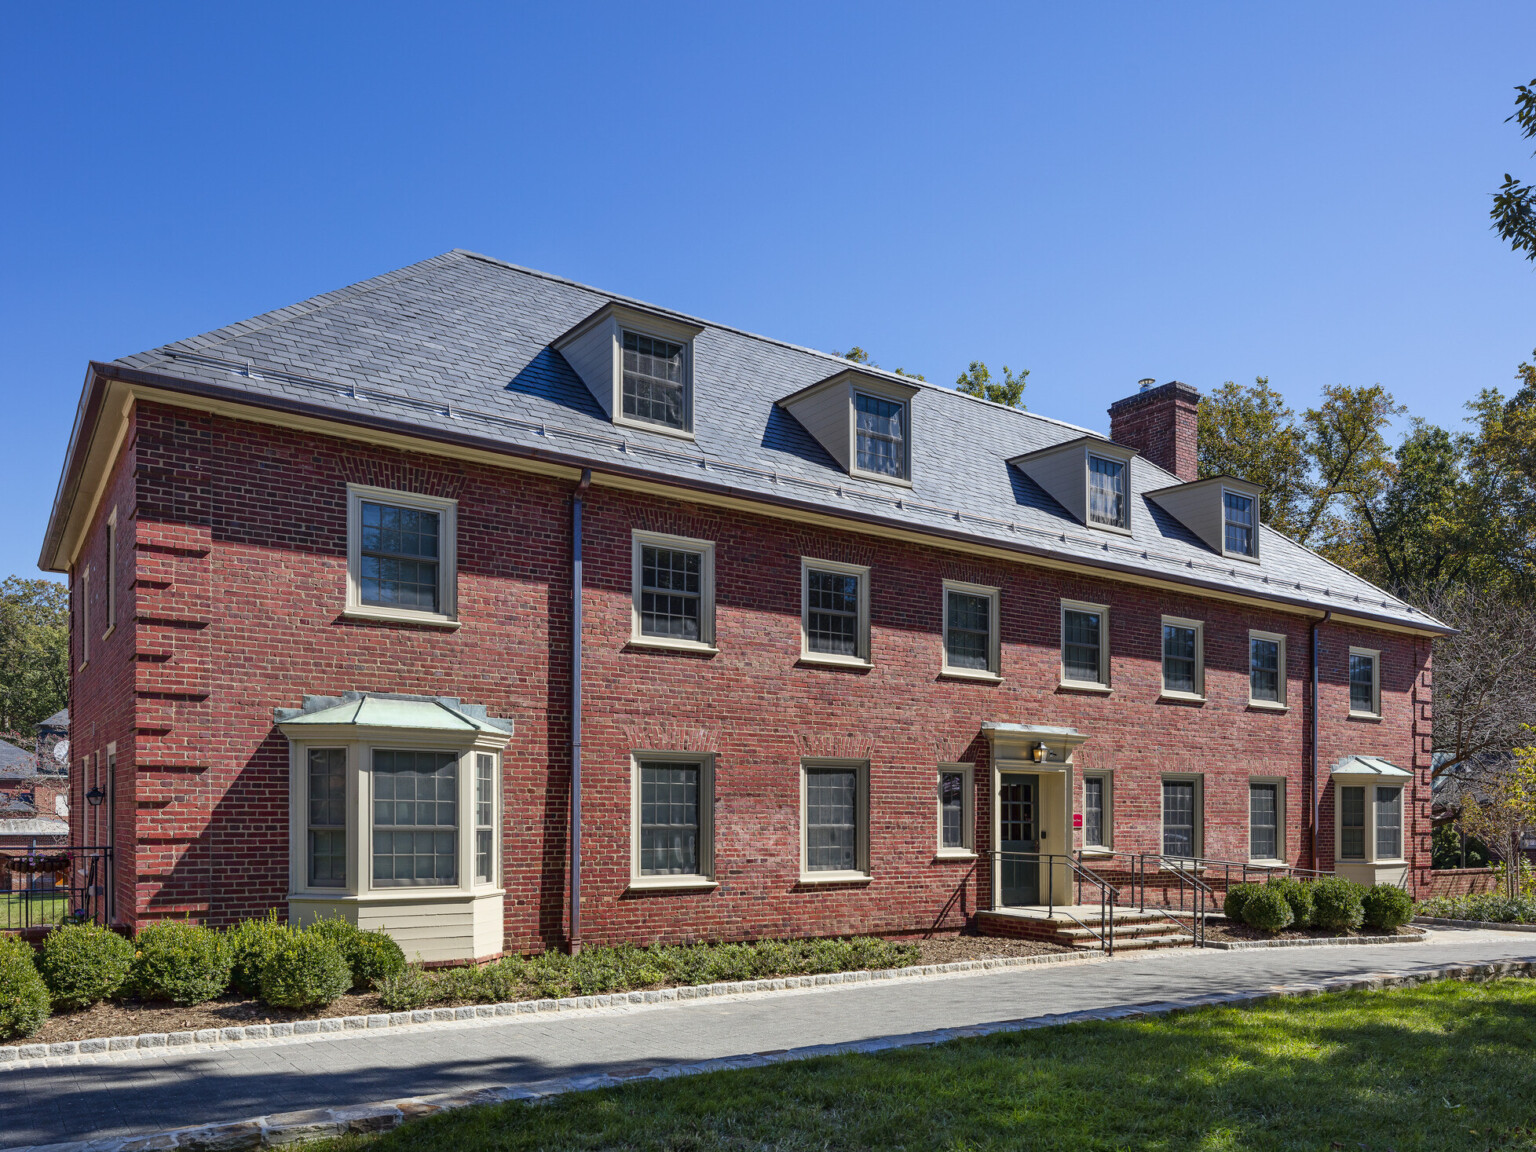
x: 95, y: 796
x: 1040, y: 752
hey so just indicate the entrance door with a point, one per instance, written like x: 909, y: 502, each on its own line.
x: 1019, y: 831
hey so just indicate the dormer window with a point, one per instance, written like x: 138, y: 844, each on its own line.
x: 638, y: 365
x: 655, y: 381
x: 882, y: 442
x: 864, y: 422
x: 1106, y: 492
x: 1238, y: 513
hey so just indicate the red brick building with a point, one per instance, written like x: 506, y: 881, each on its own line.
x: 844, y: 637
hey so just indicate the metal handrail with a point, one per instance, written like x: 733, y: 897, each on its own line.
x: 42, y: 887
x: 1109, y: 895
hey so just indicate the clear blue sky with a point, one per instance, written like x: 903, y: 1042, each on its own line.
x: 1096, y: 192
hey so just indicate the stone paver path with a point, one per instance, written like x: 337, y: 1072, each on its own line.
x: 150, y: 1092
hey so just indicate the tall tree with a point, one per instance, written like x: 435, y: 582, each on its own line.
x: 34, y: 651
x: 1249, y: 431
x: 977, y: 381
x: 1501, y: 453
x: 1514, y: 204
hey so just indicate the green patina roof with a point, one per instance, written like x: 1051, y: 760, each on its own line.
x: 1369, y: 766
x: 391, y: 710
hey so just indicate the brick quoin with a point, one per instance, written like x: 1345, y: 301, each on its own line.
x: 232, y: 581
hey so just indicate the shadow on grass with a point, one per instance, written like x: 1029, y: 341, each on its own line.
x: 1442, y: 1066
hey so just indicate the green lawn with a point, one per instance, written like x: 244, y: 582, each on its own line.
x: 1443, y: 1066
x: 18, y: 911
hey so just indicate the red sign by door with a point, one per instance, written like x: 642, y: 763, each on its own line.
x: 1077, y: 820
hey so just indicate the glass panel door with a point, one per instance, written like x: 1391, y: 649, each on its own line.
x: 1019, y: 832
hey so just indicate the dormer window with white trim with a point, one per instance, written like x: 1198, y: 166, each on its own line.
x: 1240, y: 520
x: 1106, y: 492
x: 638, y: 364
x: 862, y: 420
x: 881, y: 432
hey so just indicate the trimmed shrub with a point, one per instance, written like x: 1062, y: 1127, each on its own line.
x: 1298, y: 894
x: 372, y: 956
x: 406, y: 990
x: 84, y: 964
x: 251, y: 942
x: 1267, y: 910
x: 1490, y: 907
x: 180, y: 962
x: 1236, y: 899
x: 307, y: 970
x: 1336, y: 904
x: 1386, y: 907
x: 24, y: 1002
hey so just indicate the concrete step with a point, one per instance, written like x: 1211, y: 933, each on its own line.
x: 1141, y: 928
x: 1181, y: 940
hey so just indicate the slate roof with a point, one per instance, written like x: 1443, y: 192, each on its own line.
x: 458, y: 347
x: 16, y: 762
x: 59, y: 719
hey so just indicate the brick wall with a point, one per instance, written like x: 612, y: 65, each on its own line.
x: 239, y: 578
x: 1462, y: 882
x: 1162, y: 424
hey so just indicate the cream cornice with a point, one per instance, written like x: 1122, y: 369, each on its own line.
x: 106, y: 442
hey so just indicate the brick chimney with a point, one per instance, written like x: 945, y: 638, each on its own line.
x: 1161, y: 423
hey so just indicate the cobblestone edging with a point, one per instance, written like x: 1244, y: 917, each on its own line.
x: 340, y: 1027
x: 1314, y: 942
x: 282, y: 1129
x: 1487, y: 925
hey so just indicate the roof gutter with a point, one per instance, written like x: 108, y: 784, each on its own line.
x: 123, y: 374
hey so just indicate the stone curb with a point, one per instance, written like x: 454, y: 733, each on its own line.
x: 1318, y: 942
x: 17, y: 1056
x: 282, y: 1129
x: 1488, y: 925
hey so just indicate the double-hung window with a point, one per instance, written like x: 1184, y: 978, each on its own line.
x: 1389, y: 823
x: 1084, y: 645
x: 1181, y: 818
x: 834, y: 608
x: 327, y: 833
x: 1264, y: 811
x: 1364, y: 682
x: 656, y: 381
x: 401, y: 562
x: 415, y: 818
x: 1183, y: 657
x: 485, y: 818
x: 970, y: 630
x: 956, y: 814
x: 1239, y: 524
x: 672, y: 819
x: 673, y: 581
x: 880, y: 435
x: 109, y: 583
x: 1107, y: 505
x: 1266, y: 669
x: 834, y: 820
x: 1351, y: 823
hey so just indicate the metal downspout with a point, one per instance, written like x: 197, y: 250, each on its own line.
x: 1316, y: 624
x: 574, y: 942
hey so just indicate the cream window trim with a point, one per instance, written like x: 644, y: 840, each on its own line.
x: 1278, y: 639
x: 1199, y: 810
x: 359, y: 747
x: 110, y: 580
x: 1107, y: 829
x: 1368, y: 784
x: 667, y: 335
x: 967, y: 848
x: 1280, y: 823
x: 860, y: 873
x: 890, y: 397
x: 447, y: 556
x: 992, y: 673
x: 1198, y: 695
x: 1102, y: 684
x: 705, y: 549
x: 1375, y: 711
x: 85, y: 616
x: 861, y: 658
x: 704, y: 878
x: 1124, y: 527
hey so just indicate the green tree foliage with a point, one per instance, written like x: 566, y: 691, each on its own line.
x: 977, y: 381
x: 34, y: 651
x: 1514, y: 204
x: 1501, y: 453
x: 859, y: 356
x: 1251, y: 432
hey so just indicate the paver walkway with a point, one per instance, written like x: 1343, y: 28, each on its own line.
x: 151, y: 1092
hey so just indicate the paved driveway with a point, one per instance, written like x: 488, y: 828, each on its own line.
x: 151, y: 1091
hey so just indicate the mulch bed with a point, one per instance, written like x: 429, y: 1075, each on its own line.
x: 1233, y: 933
x: 131, y: 1017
